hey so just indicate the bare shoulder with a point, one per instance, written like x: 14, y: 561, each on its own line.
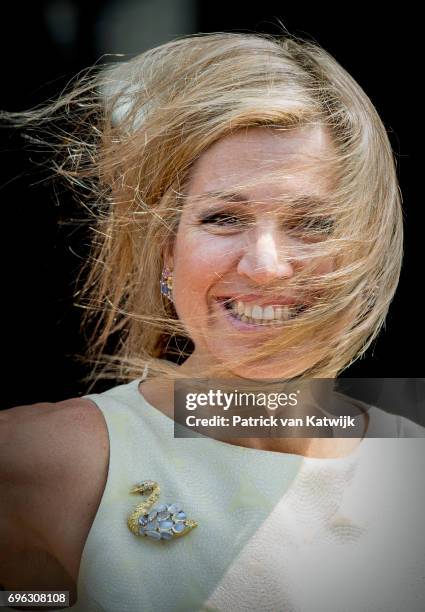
x: 53, y: 468
x: 76, y: 411
x: 43, y: 440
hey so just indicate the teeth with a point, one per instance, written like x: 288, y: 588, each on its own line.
x: 282, y: 312
x: 269, y: 315
x: 257, y: 313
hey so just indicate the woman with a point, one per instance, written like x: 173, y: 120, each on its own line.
x: 248, y: 227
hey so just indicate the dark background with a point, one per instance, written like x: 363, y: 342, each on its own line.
x: 43, y: 44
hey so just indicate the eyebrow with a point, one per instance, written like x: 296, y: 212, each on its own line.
x: 229, y: 196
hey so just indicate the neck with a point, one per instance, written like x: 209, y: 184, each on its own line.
x: 160, y: 394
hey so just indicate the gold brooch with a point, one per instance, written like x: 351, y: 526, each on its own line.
x: 164, y: 522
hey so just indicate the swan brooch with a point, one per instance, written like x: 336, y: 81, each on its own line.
x: 164, y: 522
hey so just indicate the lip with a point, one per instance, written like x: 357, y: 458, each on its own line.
x: 249, y: 327
x: 260, y: 301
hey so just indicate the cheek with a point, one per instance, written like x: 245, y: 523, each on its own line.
x: 325, y: 263
x: 200, y: 259
x: 328, y: 265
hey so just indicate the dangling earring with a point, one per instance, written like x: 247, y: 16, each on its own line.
x: 166, y: 283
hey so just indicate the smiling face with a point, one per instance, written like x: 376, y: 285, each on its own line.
x: 237, y: 249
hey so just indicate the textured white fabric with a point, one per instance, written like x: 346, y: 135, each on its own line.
x: 277, y: 532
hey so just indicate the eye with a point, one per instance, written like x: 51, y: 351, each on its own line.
x: 312, y: 225
x: 223, y: 218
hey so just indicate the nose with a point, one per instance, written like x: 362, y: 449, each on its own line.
x: 266, y: 257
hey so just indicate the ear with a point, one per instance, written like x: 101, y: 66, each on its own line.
x: 169, y: 255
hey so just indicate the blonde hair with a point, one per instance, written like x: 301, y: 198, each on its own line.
x: 131, y: 132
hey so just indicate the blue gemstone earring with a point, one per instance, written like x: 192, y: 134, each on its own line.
x: 166, y: 283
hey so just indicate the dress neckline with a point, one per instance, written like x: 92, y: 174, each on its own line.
x: 248, y: 452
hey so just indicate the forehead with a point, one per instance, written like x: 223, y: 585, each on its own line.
x: 248, y: 156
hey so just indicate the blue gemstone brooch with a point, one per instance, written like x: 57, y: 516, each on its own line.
x: 164, y: 522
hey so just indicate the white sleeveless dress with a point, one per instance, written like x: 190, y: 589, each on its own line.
x: 276, y: 532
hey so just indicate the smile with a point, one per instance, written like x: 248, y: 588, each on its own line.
x: 249, y: 315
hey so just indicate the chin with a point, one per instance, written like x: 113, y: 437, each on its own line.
x: 280, y: 367
x: 269, y: 371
